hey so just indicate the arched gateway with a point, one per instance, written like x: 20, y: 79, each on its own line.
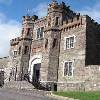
x: 34, y: 68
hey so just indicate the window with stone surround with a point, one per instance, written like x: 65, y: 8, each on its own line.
x: 15, y: 53
x: 39, y: 34
x: 69, y: 42
x: 57, y: 21
x: 54, y: 43
x: 68, y: 68
x: 26, y: 50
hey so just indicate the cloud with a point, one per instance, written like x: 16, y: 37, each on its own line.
x: 9, y: 29
x: 93, y: 12
x: 40, y: 10
x: 6, y: 2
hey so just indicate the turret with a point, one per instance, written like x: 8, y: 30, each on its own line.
x: 27, y: 25
x: 54, y: 14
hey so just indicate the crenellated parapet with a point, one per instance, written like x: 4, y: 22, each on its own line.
x: 15, y: 41
x: 73, y: 23
x: 54, y: 6
x: 28, y: 20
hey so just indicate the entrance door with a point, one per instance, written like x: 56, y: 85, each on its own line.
x: 36, y: 72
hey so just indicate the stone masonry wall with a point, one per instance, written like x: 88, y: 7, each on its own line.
x: 76, y: 54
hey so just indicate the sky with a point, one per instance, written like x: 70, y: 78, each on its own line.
x: 11, y: 12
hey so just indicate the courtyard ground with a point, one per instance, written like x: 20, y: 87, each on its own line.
x: 13, y: 94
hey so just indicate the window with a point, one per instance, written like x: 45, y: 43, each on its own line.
x: 57, y: 21
x: 28, y: 31
x: 54, y: 43
x: 69, y: 42
x: 40, y: 33
x: 46, y: 43
x: 26, y: 50
x: 15, y: 53
x: 68, y: 68
x: 19, y: 50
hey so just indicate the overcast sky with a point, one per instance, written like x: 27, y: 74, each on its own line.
x: 11, y: 12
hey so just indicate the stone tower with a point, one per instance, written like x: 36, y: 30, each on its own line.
x: 50, y: 55
x: 25, y: 44
x: 21, y: 47
x: 52, y: 37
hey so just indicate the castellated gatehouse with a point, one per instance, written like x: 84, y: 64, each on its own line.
x: 60, y: 51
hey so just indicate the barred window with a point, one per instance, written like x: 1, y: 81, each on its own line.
x: 68, y: 70
x: 40, y: 33
x: 70, y: 41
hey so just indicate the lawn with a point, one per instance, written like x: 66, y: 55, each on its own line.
x: 80, y: 95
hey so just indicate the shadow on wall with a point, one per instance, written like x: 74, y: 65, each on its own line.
x: 92, y: 47
x: 1, y: 78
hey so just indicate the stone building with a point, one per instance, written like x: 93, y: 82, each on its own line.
x: 4, y: 70
x: 60, y: 50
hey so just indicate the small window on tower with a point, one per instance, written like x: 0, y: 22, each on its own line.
x: 26, y: 50
x: 41, y: 33
x: 57, y: 21
x: 54, y: 43
x: 28, y: 31
x: 19, y: 50
x: 38, y: 33
x: 15, y: 53
x: 46, y: 43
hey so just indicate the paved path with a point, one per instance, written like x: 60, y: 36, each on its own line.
x: 10, y: 94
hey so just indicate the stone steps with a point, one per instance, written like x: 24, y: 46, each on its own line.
x: 19, y: 85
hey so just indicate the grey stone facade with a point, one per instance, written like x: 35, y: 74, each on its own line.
x: 47, y: 43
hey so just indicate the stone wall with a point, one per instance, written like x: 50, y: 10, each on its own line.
x: 86, y: 68
x: 90, y: 81
x: 60, y: 22
x: 76, y: 54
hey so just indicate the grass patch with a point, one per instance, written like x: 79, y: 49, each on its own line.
x: 80, y: 95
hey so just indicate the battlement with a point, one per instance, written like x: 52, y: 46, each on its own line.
x: 29, y: 18
x: 14, y: 41
x: 40, y: 20
x: 54, y: 6
x: 74, y: 22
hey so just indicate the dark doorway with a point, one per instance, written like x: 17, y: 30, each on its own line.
x: 36, y: 73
